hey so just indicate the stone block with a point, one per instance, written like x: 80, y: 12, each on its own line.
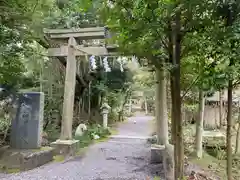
x: 153, y: 139
x: 26, y: 127
x: 214, y: 139
x: 157, y: 152
x: 168, y: 162
x: 26, y: 159
x: 66, y: 147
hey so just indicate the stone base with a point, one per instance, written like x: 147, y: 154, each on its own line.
x: 211, y: 139
x: 168, y: 162
x: 66, y: 147
x: 157, y: 152
x: 25, y: 159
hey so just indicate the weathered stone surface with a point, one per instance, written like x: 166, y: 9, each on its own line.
x: 45, y: 139
x: 104, y: 111
x: 153, y: 139
x: 65, y: 147
x: 157, y: 152
x: 26, y: 159
x: 214, y: 138
x: 26, y: 127
x: 80, y: 130
x: 168, y: 162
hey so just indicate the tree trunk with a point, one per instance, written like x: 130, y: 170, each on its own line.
x: 220, y: 109
x: 161, y: 107
x: 199, y: 125
x: 176, y: 101
x: 229, y: 22
x: 229, y: 128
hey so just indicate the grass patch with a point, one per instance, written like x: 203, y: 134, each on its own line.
x: 81, y: 151
x: 211, y: 164
x: 58, y: 158
x: 208, y: 162
x: 113, y: 131
x: 44, y: 148
x: 4, y: 169
x: 216, y: 165
x: 12, y: 170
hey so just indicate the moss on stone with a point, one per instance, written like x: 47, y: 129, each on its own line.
x: 4, y: 169
x: 58, y: 158
x: 12, y: 170
x: 44, y: 148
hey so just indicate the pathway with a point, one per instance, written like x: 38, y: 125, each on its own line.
x: 123, y: 157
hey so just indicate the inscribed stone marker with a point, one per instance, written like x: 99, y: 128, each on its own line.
x: 27, y: 125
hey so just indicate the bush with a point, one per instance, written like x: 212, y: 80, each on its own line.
x: 112, y: 117
x: 98, y: 130
x: 88, y: 136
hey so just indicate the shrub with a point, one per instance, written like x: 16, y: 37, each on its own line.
x: 88, y: 135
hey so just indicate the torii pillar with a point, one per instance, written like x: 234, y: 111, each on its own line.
x: 69, y: 92
x: 66, y: 144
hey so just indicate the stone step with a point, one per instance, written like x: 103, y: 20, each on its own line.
x: 23, y: 159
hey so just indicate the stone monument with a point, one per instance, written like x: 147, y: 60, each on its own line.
x: 26, y: 127
x: 25, y: 151
x: 104, y: 111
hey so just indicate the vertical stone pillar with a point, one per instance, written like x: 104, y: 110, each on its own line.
x: 104, y: 111
x: 26, y: 127
x: 69, y: 92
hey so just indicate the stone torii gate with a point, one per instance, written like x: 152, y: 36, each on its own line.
x: 70, y: 45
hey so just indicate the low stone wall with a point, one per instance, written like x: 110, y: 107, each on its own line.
x: 26, y: 159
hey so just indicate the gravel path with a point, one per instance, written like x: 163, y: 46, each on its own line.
x: 120, y: 158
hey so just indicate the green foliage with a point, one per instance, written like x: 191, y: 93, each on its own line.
x: 191, y: 107
x: 113, y: 116
x: 114, y: 86
x: 88, y: 136
x: 3, y: 124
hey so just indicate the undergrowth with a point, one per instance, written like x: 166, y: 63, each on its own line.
x: 88, y: 136
x: 214, y: 155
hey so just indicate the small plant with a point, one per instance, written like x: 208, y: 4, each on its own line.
x: 91, y: 133
x: 219, y: 152
x: 156, y: 178
x: 58, y: 158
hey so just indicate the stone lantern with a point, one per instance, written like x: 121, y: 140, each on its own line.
x: 104, y: 111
